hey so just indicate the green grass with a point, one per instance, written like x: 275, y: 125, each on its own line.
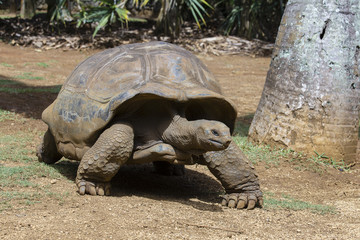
x: 22, y: 175
x: 14, y: 148
x: 260, y: 153
x: 20, y: 172
x: 8, y: 82
x: 55, y: 89
x: 42, y: 64
x: 273, y: 156
x: 257, y: 153
x: 28, y: 76
x: 8, y: 198
x: 288, y: 202
x: 322, y: 159
x: 6, y: 65
x: 6, y: 115
x: 4, y: 87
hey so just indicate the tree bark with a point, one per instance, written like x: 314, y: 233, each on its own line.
x: 27, y: 9
x: 310, y: 100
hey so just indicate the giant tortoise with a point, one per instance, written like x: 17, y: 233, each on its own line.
x: 142, y: 103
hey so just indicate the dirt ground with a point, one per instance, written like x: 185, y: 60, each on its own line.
x: 148, y: 206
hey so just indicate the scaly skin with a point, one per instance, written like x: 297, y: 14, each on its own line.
x: 47, y: 151
x: 103, y: 160
x: 114, y: 147
x: 237, y: 175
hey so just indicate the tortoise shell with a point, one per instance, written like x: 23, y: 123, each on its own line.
x: 115, y: 81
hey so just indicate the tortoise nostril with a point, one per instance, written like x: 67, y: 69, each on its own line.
x: 215, y: 133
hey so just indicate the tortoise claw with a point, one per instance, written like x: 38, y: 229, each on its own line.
x: 248, y: 200
x: 87, y: 187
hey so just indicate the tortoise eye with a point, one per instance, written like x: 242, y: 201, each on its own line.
x: 214, y: 132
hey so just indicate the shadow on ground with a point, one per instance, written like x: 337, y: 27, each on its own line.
x: 195, y: 188
x: 29, y: 101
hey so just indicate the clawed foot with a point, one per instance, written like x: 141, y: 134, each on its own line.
x: 243, y: 200
x: 92, y: 188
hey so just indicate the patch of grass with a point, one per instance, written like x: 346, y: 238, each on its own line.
x: 18, y: 148
x: 14, y: 148
x: 42, y: 64
x: 259, y: 153
x: 20, y: 170
x: 273, y: 156
x: 29, y: 76
x: 288, y: 202
x: 55, y: 89
x: 322, y: 159
x: 21, y: 176
x: 8, y: 82
x: 9, y: 198
x: 6, y: 65
x: 15, y: 176
x: 6, y: 115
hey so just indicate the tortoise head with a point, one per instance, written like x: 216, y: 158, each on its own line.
x: 197, y: 136
x: 211, y: 135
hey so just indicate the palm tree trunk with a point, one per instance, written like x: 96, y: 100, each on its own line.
x: 310, y: 100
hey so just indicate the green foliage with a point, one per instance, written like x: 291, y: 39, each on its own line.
x: 288, y: 202
x: 173, y: 11
x: 247, y: 18
x: 108, y: 12
x: 251, y: 18
x: 59, y: 13
x: 197, y: 9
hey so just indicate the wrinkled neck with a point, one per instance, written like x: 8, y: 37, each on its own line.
x: 181, y: 134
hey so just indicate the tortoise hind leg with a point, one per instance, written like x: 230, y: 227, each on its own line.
x: 47, y: 151
x: 103, y: 160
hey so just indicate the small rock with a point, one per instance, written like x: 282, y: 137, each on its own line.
x: 53, y: 181
x: 38, y: 44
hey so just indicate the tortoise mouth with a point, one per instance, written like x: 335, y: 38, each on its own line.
x: 218, y: 144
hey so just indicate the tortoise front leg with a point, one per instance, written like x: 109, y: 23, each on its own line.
x: 237, y: 176
x: 103, y: 160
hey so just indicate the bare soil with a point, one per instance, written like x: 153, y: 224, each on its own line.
x: 148, y: 206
